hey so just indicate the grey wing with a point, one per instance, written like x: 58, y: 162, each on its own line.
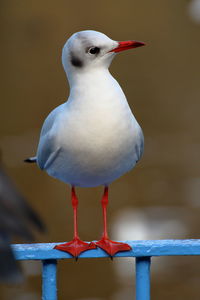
x: 140, y: 146
x: 47, y: 149
x: 49, y: 122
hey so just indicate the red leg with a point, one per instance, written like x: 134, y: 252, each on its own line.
x: 76, y: 246
x: 105, y: 243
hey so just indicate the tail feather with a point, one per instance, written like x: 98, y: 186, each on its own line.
x: 31, y: 159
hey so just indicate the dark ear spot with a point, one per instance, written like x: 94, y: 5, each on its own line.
x: 76, y: 62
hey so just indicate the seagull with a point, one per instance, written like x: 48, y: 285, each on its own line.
x: 93, y: 138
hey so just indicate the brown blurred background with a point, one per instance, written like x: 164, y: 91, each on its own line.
x: 160, y: 198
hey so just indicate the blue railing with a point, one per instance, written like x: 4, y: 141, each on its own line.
x: 141, y: 250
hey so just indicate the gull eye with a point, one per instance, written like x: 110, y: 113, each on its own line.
x: 94, y: 50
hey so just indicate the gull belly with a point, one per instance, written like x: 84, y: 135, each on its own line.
x: 94, y: 139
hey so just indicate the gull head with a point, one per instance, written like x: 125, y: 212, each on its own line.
x: 89, y: 49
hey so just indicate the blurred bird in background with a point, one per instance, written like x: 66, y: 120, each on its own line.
x: 93, y: 138
x: 17, y: 219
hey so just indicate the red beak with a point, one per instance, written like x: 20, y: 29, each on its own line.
x: 127, y: 45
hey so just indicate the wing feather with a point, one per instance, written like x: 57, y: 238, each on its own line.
x: 47, y: 149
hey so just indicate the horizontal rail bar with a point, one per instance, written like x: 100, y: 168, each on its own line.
x: 139, y: 248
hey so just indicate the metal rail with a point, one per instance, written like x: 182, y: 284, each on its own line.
x: 141, y: 250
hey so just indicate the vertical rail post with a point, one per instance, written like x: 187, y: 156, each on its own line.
x: 143, y: 278
x: 49, y: 279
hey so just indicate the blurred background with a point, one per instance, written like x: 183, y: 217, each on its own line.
x: 160, y: 198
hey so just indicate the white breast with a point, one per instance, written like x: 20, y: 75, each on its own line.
x: 98, y: 137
